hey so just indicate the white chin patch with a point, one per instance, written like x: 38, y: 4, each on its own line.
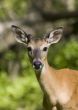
x: 33, y: 66
x: 41, y: 66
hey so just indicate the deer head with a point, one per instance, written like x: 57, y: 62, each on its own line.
x: 37, y: 47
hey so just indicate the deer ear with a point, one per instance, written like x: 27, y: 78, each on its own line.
x: 21, y: 36
x: 54, y: 36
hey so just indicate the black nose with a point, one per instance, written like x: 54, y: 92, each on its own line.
x: 37, y: 64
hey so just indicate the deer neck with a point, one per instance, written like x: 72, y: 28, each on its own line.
x: 47, y: 69
x: 47, y: 76
x: 48, y: 82
x: 51, y: 86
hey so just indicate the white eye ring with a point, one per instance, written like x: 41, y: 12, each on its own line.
x: 30, y: 51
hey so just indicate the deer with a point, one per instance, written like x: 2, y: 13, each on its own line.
x: 59, y: 86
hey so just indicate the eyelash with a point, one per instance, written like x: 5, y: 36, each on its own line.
x: 29, y: 49
x: 45, y: 49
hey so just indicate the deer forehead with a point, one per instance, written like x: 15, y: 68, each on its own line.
x: 38, y: 43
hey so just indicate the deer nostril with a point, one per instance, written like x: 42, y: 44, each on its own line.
x: 37, y: 64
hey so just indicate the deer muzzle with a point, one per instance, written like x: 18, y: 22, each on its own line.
x: 37, y: 64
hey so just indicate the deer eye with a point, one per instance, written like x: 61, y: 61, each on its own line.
x: 29, y: 49
x: 45, y: 49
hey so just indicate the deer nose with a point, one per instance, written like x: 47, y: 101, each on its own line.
x: 37, y: 64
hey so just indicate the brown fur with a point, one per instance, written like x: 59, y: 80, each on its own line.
x: 54, y: 80
x: 60, y: 87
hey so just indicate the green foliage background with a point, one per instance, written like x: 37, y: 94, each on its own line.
x: 23, y: 92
